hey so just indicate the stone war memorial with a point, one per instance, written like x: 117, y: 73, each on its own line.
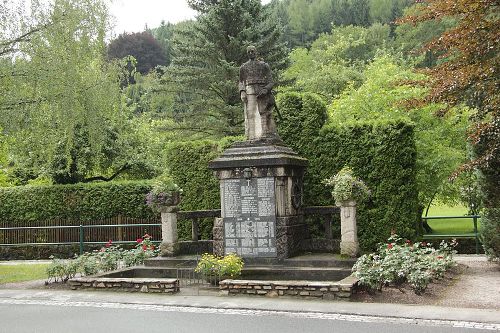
x: 260, y: 178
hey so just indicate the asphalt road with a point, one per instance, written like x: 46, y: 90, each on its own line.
x: 53, y: 317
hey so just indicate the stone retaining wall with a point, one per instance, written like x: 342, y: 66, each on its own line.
x: 169, y: 286
x: 328, y: 290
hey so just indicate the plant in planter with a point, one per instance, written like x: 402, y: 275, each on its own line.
x: 215, y: 269
x: 347, y: 187
x: 163, y: 193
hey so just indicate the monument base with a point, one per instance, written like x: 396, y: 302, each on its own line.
x: 261, y: 198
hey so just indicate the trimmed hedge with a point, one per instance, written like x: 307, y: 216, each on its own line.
x: 188, y: 165
x: 383, y: 154
x: 27, y: 205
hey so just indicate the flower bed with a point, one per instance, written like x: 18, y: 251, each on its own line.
x: 400, y: 261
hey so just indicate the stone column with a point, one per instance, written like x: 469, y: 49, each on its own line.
x: 169, y: 245
x: 349, y: 244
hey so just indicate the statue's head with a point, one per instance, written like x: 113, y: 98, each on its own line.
x: 252, y: 52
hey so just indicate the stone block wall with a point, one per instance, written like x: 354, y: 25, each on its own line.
x: 144, y: 285
x: 328, y: 290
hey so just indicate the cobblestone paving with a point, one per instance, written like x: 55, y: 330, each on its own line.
x: 242, y: 312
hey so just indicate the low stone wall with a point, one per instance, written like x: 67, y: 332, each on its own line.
x: 327, y: 290
x: 143, y: 285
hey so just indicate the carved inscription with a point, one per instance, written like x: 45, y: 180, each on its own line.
x: 249, y: 213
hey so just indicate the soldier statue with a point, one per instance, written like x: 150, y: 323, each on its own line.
x: 255, y: 85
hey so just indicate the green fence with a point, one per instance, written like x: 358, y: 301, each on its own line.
x: 474, y: 234
x: 80, y: 234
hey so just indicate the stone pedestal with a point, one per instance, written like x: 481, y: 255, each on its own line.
x: 261, y: 198
x: 169, y: 245
x: 349, y: 244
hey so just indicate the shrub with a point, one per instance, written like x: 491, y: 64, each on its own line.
x: 28, y: 205
x: 490, y: 233
x: 347, y: 187
x: 188, y: 166
x: 106, y: 259
x: 398, y: 261
x: 213, y: 267
x: 383, y: 153
x: 163, y: 193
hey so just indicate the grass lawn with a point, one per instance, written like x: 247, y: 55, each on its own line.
x: 19, y: 273
x: 450, y: 226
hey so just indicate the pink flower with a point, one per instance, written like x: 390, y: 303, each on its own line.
x: 139, y: 240
x: 144, y: 247
x: 147, y: 236
x: 389, y: 246
x: 440, y: 257
x: 109, y: 243
x: 424, y: 244
x: 408, y: 241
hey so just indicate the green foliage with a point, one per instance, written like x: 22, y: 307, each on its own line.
x: 382, y: 153
x: 398, y: 261
x: 490, y: 232
x: 306, y: 20
x: 28, y: 205
x: 207, y: 56
x: 163, y: 35
x: 106, y: 259
x: 440, y: 141
x: 58, y: 92
x: 347, y: 187
x: 336, y: 60
x: 163, y: 193
x: 188, y: 166
x: 213, y: 267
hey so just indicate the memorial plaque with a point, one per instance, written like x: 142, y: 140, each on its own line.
x: 249, y: 213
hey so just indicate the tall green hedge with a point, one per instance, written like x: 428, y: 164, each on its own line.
x: 383, y: 154
x: 27, y: 205
x: 188, y: 165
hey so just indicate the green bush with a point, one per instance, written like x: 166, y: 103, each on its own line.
x: 188, y: 166
x: 398, y: 261
x: 27, y: 205
x: 106, y: 259
x: 382, y: 153
x: 490, y: 232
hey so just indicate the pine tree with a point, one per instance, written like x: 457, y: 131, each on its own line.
x: 206, y: 59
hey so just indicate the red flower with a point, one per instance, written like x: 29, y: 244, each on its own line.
x: 139, y: 240
x: 408, y: 241
x: 152, y: 247
x: 440, y: 257
x: 109, y: 243
x: 389, y: 246
x: 424, y: 244
x: 144, y: 247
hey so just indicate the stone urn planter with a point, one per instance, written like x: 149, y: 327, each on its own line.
x: 164, y: 198
x: 347, y: 188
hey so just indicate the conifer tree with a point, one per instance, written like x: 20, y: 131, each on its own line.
x: 206, y: 59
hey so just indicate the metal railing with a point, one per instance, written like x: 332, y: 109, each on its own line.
x: 474, y: 235
x: 81, y: 234
x: 124, y: 233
